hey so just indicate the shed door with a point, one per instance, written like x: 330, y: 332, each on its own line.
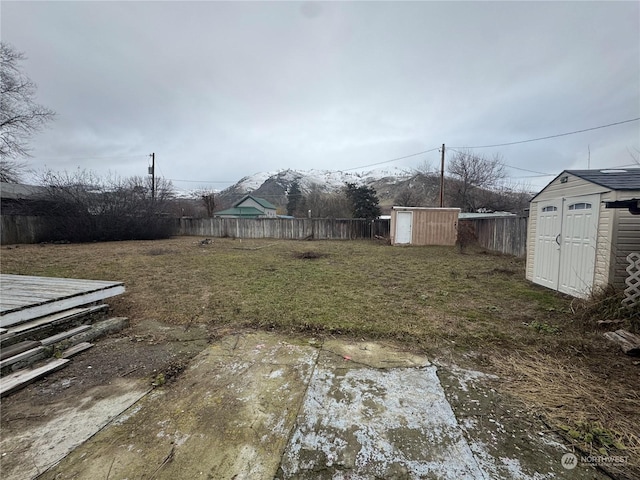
x: 547, y: 250
x: 578, y: 246
x: 404, y: 226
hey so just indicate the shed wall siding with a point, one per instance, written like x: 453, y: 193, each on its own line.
x: 531, y: 240
x: 431, y: 226
x: 435, y: 227
x: 604, y: 241
x: 626, y: 239
x: 575, y: 187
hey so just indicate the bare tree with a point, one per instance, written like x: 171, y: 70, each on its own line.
x: 472, y: 174
x: 425, y: 184
x: 84, y: 207
x: 207, y: 200
x: 20, y: 115
x: 325, y: 204
x: 408, y: 197
x: 11, y: 171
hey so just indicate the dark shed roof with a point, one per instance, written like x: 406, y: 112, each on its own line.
x: 615, y: 179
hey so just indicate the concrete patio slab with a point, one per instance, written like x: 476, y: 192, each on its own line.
x: 264, y: 406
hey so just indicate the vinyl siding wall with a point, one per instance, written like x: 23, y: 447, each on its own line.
x: 617, y: 229
x: 626, y: 239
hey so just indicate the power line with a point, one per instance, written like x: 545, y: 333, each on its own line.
x: 201, y: 181
x: 531, y: 171
x: 91, y: 157
x: 389, y: 161
x: 554, y: 136
x: 510, y: 166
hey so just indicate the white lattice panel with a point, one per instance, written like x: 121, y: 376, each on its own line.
x: 632, y: 292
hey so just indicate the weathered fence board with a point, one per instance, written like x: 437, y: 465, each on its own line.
x: 503, y: 234
x: 506, y: 235
x: 21, y: 229
x: 285, y: 228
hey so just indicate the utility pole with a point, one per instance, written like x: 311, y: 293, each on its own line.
x: 442, y: 178
x: 152, y: 172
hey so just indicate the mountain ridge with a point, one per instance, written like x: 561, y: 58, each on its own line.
x: 273, y: 186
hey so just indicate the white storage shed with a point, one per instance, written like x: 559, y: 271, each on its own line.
x: 582, y: 226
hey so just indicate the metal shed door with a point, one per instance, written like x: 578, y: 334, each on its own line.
x: 547, y: 250
x: 404, y: 227
x: 578, y: 250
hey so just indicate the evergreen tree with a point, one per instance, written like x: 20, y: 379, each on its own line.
x: 364, y: 201
x: 294, y: 196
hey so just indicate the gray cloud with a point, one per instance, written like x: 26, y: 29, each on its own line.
x: 220, y: 90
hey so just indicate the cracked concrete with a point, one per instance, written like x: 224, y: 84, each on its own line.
x: 263, y: 406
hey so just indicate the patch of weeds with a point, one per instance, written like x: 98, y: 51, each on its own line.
x: 604, y: 304
x: 595, y: 435
x: 174, y: 369
x: 542, y: 327
x: 159, y: 380
x: 501, y: 271
x: 158, y: 251
x: 309, y: 255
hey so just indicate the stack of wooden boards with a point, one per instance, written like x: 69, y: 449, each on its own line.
x: 50, y: 319
x: 629, y: 343
x: 21, y: 348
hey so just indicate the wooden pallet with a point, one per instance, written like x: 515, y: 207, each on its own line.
x: 24, y: 298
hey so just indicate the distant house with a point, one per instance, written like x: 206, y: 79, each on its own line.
x: 249, y: 207
x: 18, y: 199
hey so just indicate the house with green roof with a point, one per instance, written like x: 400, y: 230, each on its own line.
x: 249, y: 207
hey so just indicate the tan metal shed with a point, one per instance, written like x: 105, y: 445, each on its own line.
x: 424, y: 226
x: 581, y: 229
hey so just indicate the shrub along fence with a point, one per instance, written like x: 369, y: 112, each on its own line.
x: 285, y: 228
x: 89, y: 228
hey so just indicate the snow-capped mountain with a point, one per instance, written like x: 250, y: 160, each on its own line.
x: 273, y: 186
x: 324, y: 179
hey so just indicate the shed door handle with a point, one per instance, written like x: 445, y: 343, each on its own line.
x: 558, y: 239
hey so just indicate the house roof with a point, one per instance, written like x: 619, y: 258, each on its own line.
x: 240, y: 212
x: 615, y: 179
x: 260, y: 201
x: 16, y: 190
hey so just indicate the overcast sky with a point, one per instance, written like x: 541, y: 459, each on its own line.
x: 220, y: 90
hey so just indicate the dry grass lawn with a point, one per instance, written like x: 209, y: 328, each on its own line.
x: 474, y: 308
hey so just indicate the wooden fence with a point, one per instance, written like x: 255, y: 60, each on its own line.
x: 21, y: 229
x: 284, y: 228
x: 506, y: 235
x: 503, y: 234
